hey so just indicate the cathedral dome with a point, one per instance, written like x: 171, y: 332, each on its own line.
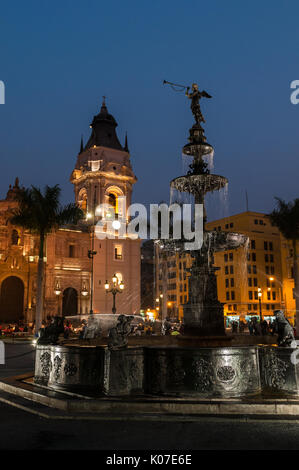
x: 103, y: 131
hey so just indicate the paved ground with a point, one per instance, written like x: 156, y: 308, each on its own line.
x: 21, y: 430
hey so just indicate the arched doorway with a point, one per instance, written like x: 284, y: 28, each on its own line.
x: 70, y: 302
x: 11, y: 299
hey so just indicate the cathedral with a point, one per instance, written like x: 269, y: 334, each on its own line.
x: 102, y: 174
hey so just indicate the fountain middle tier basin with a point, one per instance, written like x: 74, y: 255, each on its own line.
x: 199, y: 184
x: 213, y: 240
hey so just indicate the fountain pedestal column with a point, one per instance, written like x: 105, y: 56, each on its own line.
x: 203, y: 314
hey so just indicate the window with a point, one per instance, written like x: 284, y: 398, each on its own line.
x: 268, y: 295
x: 265, y: 245
x: 231, y: 225
x: 267, y: 306
x: 261, y: 222
x: 235, y: 307
x: 71, y: 251
x: 232, y: 295
x: 249, y: 281
x: 232, y: 282
x: 256, y: 295
x: 250, y: 295
x: 226, y: 225
x: 231, y: 256
x: 226, y: 282
x: 267, y: 269
x: 249, y: 269
x: 249, y: 306
x: 225, y: 257
x: 226, y: 269
x: 118, y: 252
x: 227, y: 295
x: 15, y: 237
x: 229, y: 307
x: 271, y: 258
x: 231, y: 269
x: 255, y: 281
x: 273, y: 295
x: 256, y: 221
x: 271, y: 246
x: 253, y: 256
x: 254, y: 269
x: 252, y: 243
x: 266, y: 259
x: 112, y: 200
x: 254, y: 306
x: 272, y: 269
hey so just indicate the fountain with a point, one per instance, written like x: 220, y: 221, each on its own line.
x: 203, y: 314
x: 202, y: 363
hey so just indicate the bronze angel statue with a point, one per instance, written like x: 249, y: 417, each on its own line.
x: 195, y: 96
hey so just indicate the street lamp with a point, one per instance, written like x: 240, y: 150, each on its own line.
x: 117, y: 288
x: 84, y: 291
x: 259, y: 293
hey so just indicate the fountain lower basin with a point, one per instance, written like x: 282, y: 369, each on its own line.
x: 153, y: 370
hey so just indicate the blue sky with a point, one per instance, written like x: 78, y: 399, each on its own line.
x: 59, y: 57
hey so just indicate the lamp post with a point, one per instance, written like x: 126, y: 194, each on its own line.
x: 117, y: 288
x: 92, y: 252
x: 259, y: 293
x: 57, y: 291
x: 159, y: 306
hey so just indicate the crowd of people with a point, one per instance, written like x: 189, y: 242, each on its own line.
x: 18, y: 328
x: 146, y: 328
x: 254, y: 327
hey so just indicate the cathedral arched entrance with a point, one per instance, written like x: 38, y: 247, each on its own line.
x: 11, y: 300
x: 70, y: 302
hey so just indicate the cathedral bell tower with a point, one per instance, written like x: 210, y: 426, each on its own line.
x: 103, y: 173
x: 103, y: 170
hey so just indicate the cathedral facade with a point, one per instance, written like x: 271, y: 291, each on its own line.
x: 102, y: 175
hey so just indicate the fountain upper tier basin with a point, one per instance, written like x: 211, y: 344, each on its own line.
x: 201, y: 148
x: 199, y: 184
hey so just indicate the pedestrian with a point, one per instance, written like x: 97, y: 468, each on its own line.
x: 264, y: 327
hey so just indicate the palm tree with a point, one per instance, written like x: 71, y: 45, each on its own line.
x: 286, y: 218
x: 41, y: 213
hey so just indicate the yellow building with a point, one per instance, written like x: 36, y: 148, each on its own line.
x: 252, y: 278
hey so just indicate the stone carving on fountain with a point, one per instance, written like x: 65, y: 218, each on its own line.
x: 203, y: 314
x: 118, y: 336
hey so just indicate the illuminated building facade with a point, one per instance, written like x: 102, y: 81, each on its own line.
x: 102, y: 174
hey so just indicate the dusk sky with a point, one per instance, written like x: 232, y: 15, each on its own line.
x: 59, y: 57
